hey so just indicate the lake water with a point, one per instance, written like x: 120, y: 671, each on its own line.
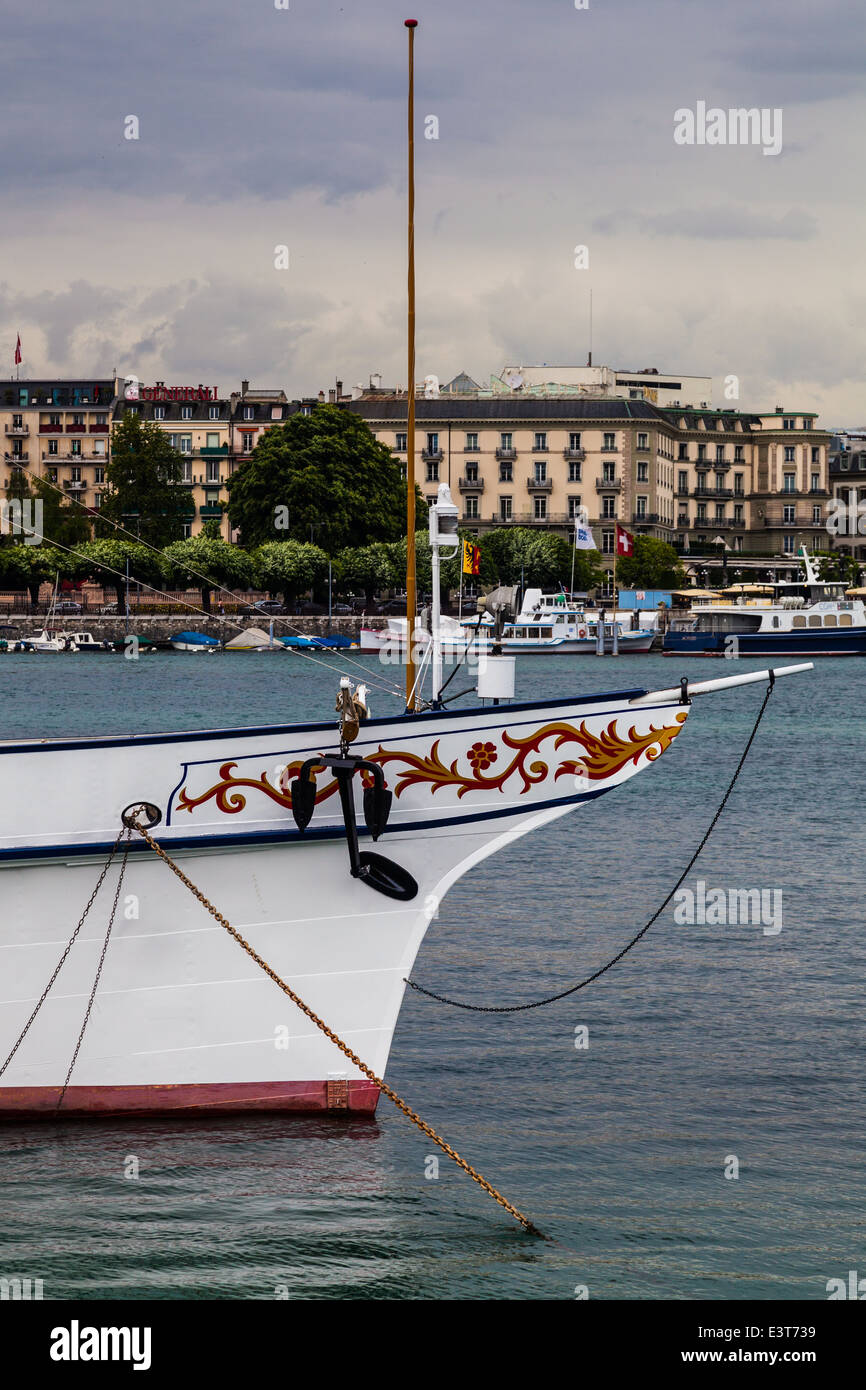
x: 707, y: 1043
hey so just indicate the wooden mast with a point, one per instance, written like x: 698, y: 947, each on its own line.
x: 411, y: 25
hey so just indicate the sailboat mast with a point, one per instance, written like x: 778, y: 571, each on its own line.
x: 411, y: 25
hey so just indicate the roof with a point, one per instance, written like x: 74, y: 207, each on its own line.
x: 508, y: 408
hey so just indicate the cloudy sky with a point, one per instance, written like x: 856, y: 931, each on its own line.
x: 261, y: 127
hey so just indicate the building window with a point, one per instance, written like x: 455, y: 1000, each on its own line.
x: 540, y: 441
x: 789, y: 423
x: 78, y: 421
x: 788, y: 545
x: 470, y: 509
x: 720, y: 512
x: 574, y: 441
x: 52, y: 446
x: 790, y: 483
x: 505, y: 508
x: 75, y: 447
x: 159, y: 412
x: 816, y: 516
x: 185, y: 441
x: 702, y: 453
x: 788, y: 515
x: 641, y: 506
x: 683, y: 451
x: 400, y: 441
x: 642, y: 471
x: 52, y: 475
x: 720, y: 453
x: 97, y: 501
x: 720, y: 481
x: 607, y: 542
x: 471, y: 441
x: 608, y: 473
x: 433, y: 443
x: 701, y: 518
x: 574, y: 472
x: 609, y: 441
x: 608, y: 506
x: 249, y: 412
x: 472, y: 472
x: 186, y: 412
x: 433, y: 473
x: 213, y: 412
x: 541, y: 509
x: 505, y: 441
x: 643, y: 441
x: 738, y: 511
x: 789, y: 453
x: 186, y: 471
x: 541, y: 472
x: 247, y: 443
x: 574, y: 508
x: 212, y: 471
x: 738, y: 453
x: 75, y: 474
x: 505, y: 473
x: 815, y: 482
x: 738, y: 484
x: 816, y: 455
x: 683, y: 481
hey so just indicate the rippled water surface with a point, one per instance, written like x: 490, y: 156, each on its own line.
x: 706, y: 1042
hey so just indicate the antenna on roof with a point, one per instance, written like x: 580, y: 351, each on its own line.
x: 589, y: 359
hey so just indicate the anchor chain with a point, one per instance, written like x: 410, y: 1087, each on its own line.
x: 386, y: 1090
x: 564, y: 994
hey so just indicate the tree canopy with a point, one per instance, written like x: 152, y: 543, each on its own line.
x: 207, y: 563
x: 289, y: 568
x: 145, y: 487
x: 654, y: 565
x: 323, y: 471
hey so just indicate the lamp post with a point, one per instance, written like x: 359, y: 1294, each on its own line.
x: 443, y: 536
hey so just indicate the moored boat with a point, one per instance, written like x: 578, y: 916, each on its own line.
x: 193, y: 642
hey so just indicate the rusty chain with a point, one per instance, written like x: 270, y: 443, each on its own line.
x: 386, y: 1090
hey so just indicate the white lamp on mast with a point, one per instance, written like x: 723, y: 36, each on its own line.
x: 443, y: 537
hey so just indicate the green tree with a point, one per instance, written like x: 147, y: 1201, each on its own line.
x: 540, y: 558
x: 62, y: 522
x: 326, y: 471
x: 370, y: 568
x: 207, y: 563
x: 30, y: 566
x: 105, y: 561
x: 145, y: 489
x: 289, y: 568
x: 654, y: 565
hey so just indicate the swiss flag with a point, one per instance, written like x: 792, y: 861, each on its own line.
x: 18, y: 352
x: 624, y: 541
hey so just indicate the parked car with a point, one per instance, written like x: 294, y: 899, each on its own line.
x: 110, y: 610
x: 268, y: 605
x: 68, y: 605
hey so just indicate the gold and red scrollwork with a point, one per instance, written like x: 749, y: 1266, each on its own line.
x: 488, y: 767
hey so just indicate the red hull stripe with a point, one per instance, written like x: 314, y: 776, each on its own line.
x: 219, y: 1098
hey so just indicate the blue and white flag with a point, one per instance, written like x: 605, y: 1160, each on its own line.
x: 583, y: 537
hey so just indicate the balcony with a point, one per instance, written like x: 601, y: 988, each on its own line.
x: 713, y: 492
x: 471, y: 484
x: 432, y: 455
x: 737, y: 524
x: 506, y: 454
x: 683, y: 492
x: 75, y: 429
x: 539, y: 484
x: 574, y: 455
x: 16, y: 458
x: 645, y: 518
x: 720, y: 465
x: 608, y: 485
x: 50, y: 429
x: 211, y: 509
x: 17, y: 431
x: 220, y: 452
x: 74, y: 484
x: 99, y: 429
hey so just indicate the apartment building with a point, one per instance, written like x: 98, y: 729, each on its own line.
x: 848, y: 489
x: 58, y: 429
x: 695, y: 477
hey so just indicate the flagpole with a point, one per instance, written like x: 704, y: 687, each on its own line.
x: 411, y: 25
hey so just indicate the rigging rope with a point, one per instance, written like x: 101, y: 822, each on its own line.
x: 563, y: 994
x: 386, y: 1090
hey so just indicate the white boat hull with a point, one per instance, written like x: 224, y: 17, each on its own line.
x: 183, y: 1019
